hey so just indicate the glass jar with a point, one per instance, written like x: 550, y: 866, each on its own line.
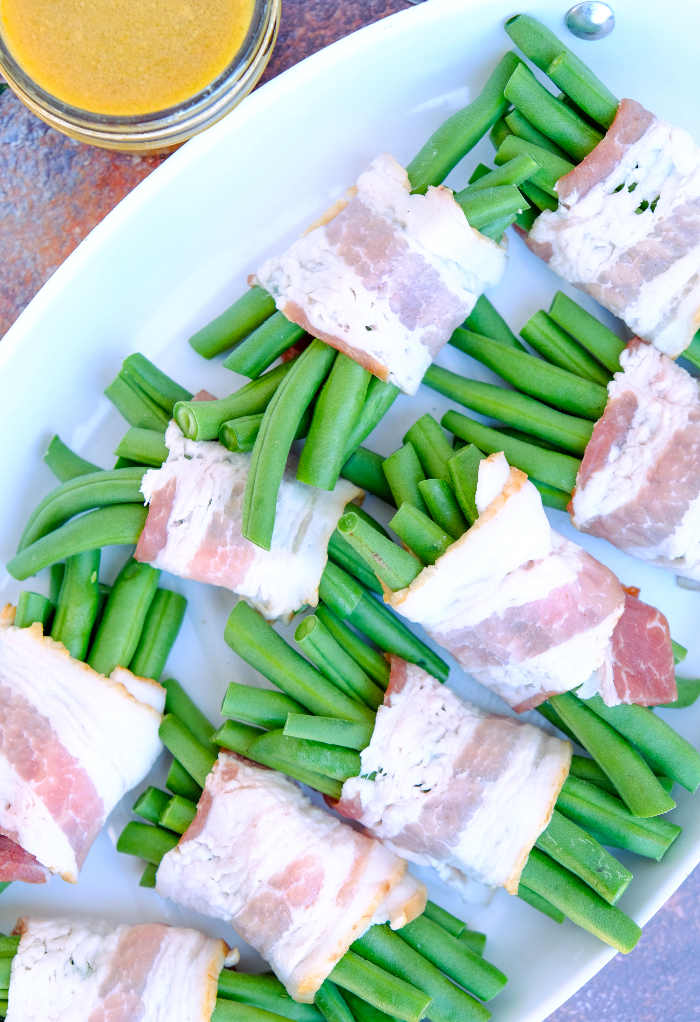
x: 163, y: 130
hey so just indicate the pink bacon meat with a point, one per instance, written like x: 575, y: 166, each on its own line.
x: 627, y: 230
x: 386, y: 276
x: 639, y: 481
x: 72, y: 742
x: 295, y: 882
x: 463, y: 791
x: 642, y: 656
x: 194, y: 521
x: 101, y: 972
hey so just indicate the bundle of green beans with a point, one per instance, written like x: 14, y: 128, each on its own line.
x: 295, y: 734
x: 403, y: 974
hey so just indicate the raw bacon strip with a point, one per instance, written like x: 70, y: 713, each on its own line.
x: 389, y: 277
x: 522, y: 609
x: 642, y: 657
x: 93, y: 970
x: 72, y: 742
x: 639, y: 481
x: 455, y: 788
x: 643, y: 264
x: 16, y: 864
x: 295, y: 882
x: 193, y: 527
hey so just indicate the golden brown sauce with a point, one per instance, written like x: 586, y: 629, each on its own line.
x: 124, y: 57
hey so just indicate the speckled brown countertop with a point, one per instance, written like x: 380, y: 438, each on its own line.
x: 52, y: 193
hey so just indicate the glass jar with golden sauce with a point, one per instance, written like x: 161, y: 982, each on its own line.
x: 135, y: 75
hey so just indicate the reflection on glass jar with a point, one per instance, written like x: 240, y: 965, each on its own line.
x: 136, y: 75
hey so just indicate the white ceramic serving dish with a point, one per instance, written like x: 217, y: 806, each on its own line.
x: 176, y: 252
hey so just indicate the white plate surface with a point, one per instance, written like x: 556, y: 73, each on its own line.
x: 176, y: 252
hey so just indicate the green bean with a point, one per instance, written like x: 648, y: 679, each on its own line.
x: 186, y: 710
x: 348, y: 600
x: 233, y: 1011
x: 525, y: 413
x: 550, y: 714
x: 9, y: 946
x: 552, y: 167
x: 460, y: 133
x: 541, y: 904
x: 691, y: 353
x: 106, y: 526
x: 160, y: 629
x: 464, y: 473
x: 488, y: 204
x: 528, y: 438
x: 558, y: 470
x: 236, y: 736
x: 78, y: 603
x: 33, y: 608
x: 57, y: 573
x: 586, y: 769
x: 553, y: 119
x: 144, y: 446
x: 453, y: 958
x: 123, y: 619
x: 520, y: 126
x: 82, y: 493
x: 431, y: 446
x: 127, y: 463
x: 260, y: 349
x: 495, y: 229
x: 340, y: 551
x: 588, y: 331
x: 64, y: 463
x: 554, y: 344
x: 146, y: 842
x: 179, y: 782
x: 624, y: 766
x: 445, y: 919
x: 481, y: 170
x: 348, y: 734
x: 488, y: 322
x: 552, y: 496
x: 135, y: 405
x: 259, y: 645
x: 137, y: 369
x: 688, y: 692
x: 525, y: 220
x: 538, y: 196
x: 474, y: 940
x: 240, y: 434
x: 393, y: 565
x: 361, y: 1011
x: 332, y: 761
x: 421, y: 534
x: 656, y: 740
x: 269, y: 457
x: 178, y: 739
x: 403, y: 473
x: 202, y: 420
x: 378, y: 400
x: 679, y: 652
x: 584, y: 89
x: 365, y: 469
x: 539, y: 379
x: 338, y: 408
x: 260, y: 706
x: 572, y: 847
x: 386, y: 949
x: 332, y: 1004
x: 245, y: 315
x: 178, y: 814
x: 576, y: 900
x: 148, y: 877
x: 264, y: 992
x: 5, y: 970
x: 335, y: 664
x: 151, y: 803
x: 371, y: 662
x: 499, y: 132
x: 442, y: 504
x: 397, y: 997
x: 514, y: 173
x: 609, y: 820
x: 543, y: 46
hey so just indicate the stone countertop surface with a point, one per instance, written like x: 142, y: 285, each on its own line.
x: 53, y: 191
